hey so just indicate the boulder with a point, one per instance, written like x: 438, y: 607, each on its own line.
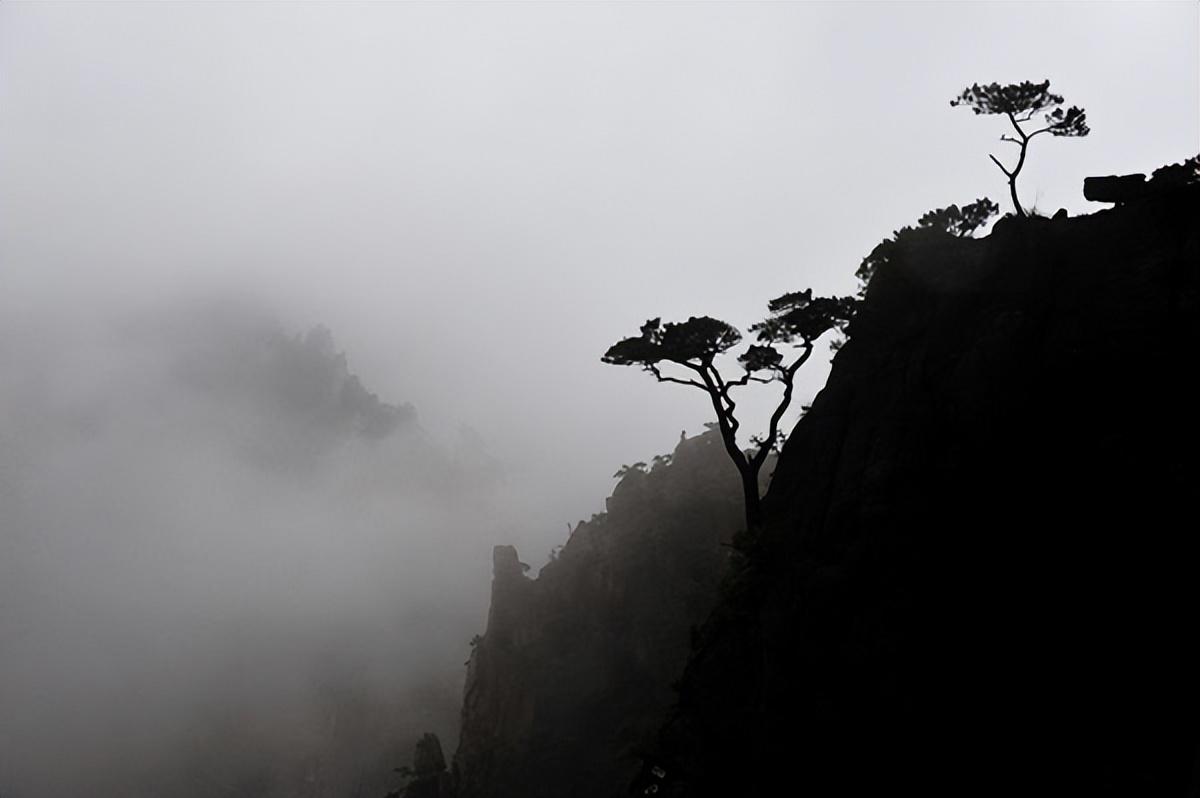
x: 1114, y: 188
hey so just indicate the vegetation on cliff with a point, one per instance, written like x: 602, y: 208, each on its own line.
x: 1020, y: 103
x: 975, y: 577
x: 796, y: 321
x: 567, y: 686
x: 969, y: 574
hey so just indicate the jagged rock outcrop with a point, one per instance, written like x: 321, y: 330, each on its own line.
x: 1166, y: 180
x: 980, y: 576
x: 428, y: 777
x: 576, y: 667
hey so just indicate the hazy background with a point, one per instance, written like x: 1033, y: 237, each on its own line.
x: 223, y: 571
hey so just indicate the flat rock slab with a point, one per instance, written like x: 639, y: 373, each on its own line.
x: 1114, y: 188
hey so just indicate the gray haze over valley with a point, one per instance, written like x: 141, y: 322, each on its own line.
x: 302, y: 309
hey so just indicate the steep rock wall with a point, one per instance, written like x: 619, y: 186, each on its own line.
x: 576, y: 668
x: 980, y: 576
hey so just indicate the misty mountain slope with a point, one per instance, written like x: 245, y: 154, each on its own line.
x: 299, y: 388
x: 980, y: 573
x: 226, y: 567
x: 575, y: 669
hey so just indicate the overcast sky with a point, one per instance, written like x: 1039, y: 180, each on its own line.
x: 477, y: 199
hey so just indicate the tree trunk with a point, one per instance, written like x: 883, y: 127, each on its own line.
x: 1012, y: 178
x: 754, y: 514
x: 1012, y: 189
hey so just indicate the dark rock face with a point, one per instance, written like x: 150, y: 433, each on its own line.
x: 980, y: 574
x: 1114, y: 188
x: 428, y: 758
x: 1166, y: 180
x: 428, y: 777
x: 575, y: 671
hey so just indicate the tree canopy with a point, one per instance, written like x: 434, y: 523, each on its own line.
x: 1021, y: 102
x: 955, y: 221
x: 696, y: 341
x: 795, y: 321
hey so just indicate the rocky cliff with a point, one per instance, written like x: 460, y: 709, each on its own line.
x: 575, y: 671
x: 978, y: 576
x: 980, y: 573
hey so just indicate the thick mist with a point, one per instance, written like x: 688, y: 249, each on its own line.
x: 226, y: 559
x: 302, y: 306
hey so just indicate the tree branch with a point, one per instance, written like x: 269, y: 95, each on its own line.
x: 720, y: 382
x: 800, y: 361
x: 1016, y: 126
x: 789, y: 376
x: 743, y: 380
x: 1002, y: 169
x: 723, y: 389
x: 658, y: 375
x: 728, y: 431
x: 739, y: 382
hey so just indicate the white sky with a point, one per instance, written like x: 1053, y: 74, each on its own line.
x: 479, y: 198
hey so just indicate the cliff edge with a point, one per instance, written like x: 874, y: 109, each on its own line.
x: 980, y: 570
